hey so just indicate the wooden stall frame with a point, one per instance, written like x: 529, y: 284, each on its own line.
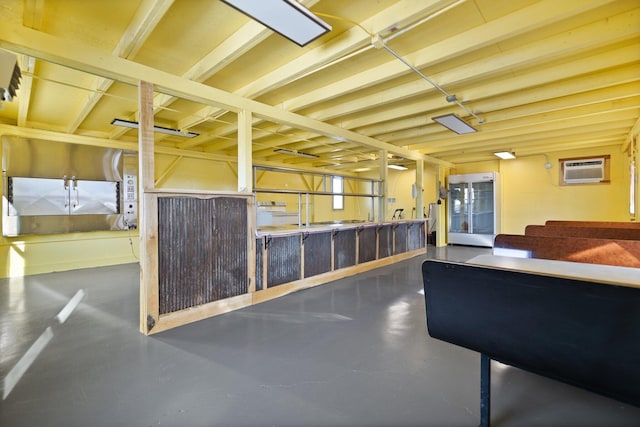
x: 309, y: 282
x: 193, y: 314
x: 155, y: 322
x: 151, y: 321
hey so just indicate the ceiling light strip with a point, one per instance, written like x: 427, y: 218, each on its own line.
x: 505, y: 155
x: 296, y: 153
x: 159, y: 129
x: 398, y: 167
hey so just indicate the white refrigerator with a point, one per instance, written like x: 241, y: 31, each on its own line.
x: 474, y: 209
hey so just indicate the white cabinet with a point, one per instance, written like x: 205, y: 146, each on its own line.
x: 473, y: 205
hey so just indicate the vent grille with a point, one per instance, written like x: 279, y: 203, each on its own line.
x: 584, y: 170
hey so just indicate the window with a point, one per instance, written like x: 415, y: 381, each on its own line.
x: 337, y: 187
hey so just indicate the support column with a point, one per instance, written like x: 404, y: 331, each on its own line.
x: 245, y: 185
x: 382, y: 208
x: 419, y: 188
x: 245, y: 161
x: 441, y: 209
x: 148, y: 216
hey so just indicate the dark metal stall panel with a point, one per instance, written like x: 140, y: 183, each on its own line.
x: 283, y: 259
x: 385, y: 239
x: 366, y: 244
x: 344, y: 248
x: 416, y: 235
x: 317, y: 253
x: 259, y: 257
x: 202, y: 251
x: 400, y: 238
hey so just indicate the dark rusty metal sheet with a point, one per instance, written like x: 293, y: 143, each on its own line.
x: 367, y: 238
x: 283, y: 259
x: 344, y: 248
x: 385, y: 241
x: 317, y: 253
x: 417, y: 238
x: 400, y: 238
x: 259, y: 258
x: 202, y: 250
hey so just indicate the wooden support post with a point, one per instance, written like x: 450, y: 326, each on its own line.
x: 382, y: 211
x: 148, y: 216
x: 419, y: 187
x: 245, y: 181
x: 245, y: 185
x: 441, y: 210
x: 485, y: 390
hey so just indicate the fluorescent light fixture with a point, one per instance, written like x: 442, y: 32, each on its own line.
x: 286, y: 17
x: 159, y: 129
x: 398, y: 167
x: 455, y: 123
x: 295, y: 153
x: 505, y: 155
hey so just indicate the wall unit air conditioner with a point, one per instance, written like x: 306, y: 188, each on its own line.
x: 579, y: 171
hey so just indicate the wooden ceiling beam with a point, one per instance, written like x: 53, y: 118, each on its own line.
x: 32, y: 17
x: 514, y: 24
x: 505, y: 96
x: 523, y: 59
x: 516, y: 104
x: 147, y: 16
x: 545, y: 142
x: 513, y: 119
x: 598, y: 33
x: 535, y: 150
x: 342, y: 46
x: 76, y: 55
x: 541, y: 131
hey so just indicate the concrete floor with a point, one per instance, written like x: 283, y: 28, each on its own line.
x: 350, y: 353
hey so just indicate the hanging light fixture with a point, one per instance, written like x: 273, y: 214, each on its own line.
x: 455, y: 123
x: 398, y: 167
x: 505, y: 155
x: 159, y: 129
x: 286, y: 17
x: 296, y: 153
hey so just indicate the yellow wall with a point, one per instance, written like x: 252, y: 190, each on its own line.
x: 531, y: 194
x: 400, y: 185
x: 28, y: 255
x: 320, y: 206
x: 196, y: 174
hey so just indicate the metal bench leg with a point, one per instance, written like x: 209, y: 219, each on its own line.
x: 485, y: 390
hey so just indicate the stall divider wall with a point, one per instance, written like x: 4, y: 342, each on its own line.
x: 209, y: 260
x: 329, y: 252
x: 199, y: 251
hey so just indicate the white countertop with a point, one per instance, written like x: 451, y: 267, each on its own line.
x: 608, y: 274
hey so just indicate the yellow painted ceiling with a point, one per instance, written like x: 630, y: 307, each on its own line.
x: 544, y: 76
